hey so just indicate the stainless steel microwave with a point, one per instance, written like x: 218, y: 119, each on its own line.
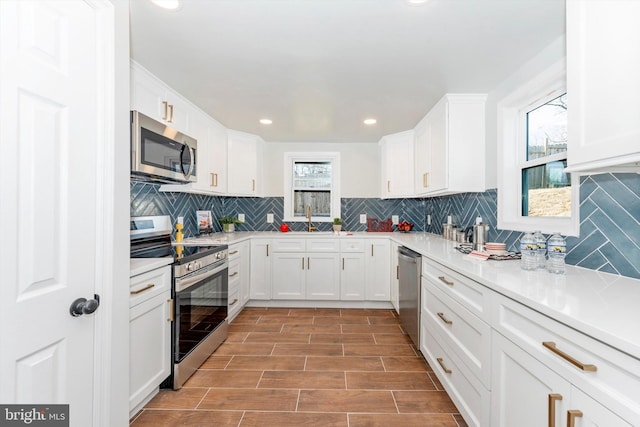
x: 161, y: 152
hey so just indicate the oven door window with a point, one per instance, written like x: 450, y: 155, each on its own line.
x: 200, y: 309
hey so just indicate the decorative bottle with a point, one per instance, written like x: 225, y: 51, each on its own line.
x: 541, y: 251
x: 528, y: 252
x: 557, y: 250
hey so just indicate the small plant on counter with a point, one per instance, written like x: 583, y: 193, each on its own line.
x: 337, y: 224
x: 229, y: 223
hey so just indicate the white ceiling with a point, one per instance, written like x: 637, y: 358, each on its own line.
x: 318, y: 68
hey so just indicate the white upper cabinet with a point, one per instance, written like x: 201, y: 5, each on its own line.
x: 450, y: 146
x: 211, y: 156
x: 155, y: 99
x: 244, y: 164
x: 603, y: 65
x: 396, y: 157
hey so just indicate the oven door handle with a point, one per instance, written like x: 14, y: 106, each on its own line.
x: 186, y: 282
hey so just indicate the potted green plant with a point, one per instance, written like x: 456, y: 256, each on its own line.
x: 229, y: 223
x: 337, y: 224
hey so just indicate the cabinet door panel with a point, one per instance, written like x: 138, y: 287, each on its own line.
x: 352, y: 277
x: 289, y: 275
x: 378, y: 270
x: 322, y: 280
x: 593, y: 413
x: 260, y: 265
x: 521, y: 387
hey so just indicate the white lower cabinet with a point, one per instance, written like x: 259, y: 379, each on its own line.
x: 378, y: 270
x: 352, y: 276
x: 149, y: 335
x: 260, y: 277
x: 306, y: 269
x: 238, y: 278
x: 537, y: 359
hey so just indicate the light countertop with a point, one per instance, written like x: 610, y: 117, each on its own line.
x: 602, y: 305
x: 143, y: 265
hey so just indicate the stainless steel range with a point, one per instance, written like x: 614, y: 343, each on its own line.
x: 199, y: 290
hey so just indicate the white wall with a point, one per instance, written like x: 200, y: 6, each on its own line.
x: 360, y: 166
x: 547, y: 57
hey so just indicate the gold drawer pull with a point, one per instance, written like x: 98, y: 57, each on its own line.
x: 583, y: 366
x: 171, y: 309
x: 445, y: 281
x: 234, y: 302
x: 442, y: 365
x: 572, y: 414
x: 233, y: 252
x: 444, y: 319
x: 235, y: 273
x: 146, y: 288
x: 553, y: 397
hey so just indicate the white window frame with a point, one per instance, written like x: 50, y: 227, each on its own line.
x: 512, y: 155
x: 289, y: 159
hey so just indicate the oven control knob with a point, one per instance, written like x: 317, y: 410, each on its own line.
x: 190, y: 266
x: 197, y: 265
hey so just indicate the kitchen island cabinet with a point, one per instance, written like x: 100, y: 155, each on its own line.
x: 603, y: 64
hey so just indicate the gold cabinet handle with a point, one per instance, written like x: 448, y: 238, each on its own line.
x: 302, y: 259
x: 572, y: 414
x: 553, y: 398
x: 253, y: 185
x: 444, y: 319
x: 343, y: 263
x: 170, y: 114
x: 371, y: 250
x: 388, y: 186
x: 233, y: 302
x: 233, y: 252
x: 214, y: 179
x: 171, y: 309
x: 582, y: 366
x: 442, y: 365
x: 425, y: 179
x: 166, y: 108
x: 146, y: 288
x: 445, y: 281
x: 308, y: 264
x: 235, y: 273
x: 397, y: 272
x: 267, y: 249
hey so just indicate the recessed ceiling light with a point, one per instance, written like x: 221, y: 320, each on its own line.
x: 370, y: 121
x: 168, y: 4
x: 417, y: 2
x: 266, y: 121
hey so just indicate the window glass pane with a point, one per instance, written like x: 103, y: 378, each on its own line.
x: 312, y: 175
x: 320, y: 202
x: 547, y: 129
x: 546, y: 190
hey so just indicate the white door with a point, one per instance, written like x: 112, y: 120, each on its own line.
x: 51, y: 128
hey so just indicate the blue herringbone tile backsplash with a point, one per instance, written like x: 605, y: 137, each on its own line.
x: 609, y: 216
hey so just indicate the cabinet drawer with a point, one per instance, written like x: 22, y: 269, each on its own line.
x: 288, y: 245
x: 234, y: 252
x: 147, y: 285
x: 465, y: 333
x: 234, y: 270
x: 471, y: 398
x: 615, y: 382
x: 352, y: 245
x: 468, y: 293
x: 323, y: 245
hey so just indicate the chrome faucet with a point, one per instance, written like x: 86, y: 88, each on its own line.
x: 310, y: 227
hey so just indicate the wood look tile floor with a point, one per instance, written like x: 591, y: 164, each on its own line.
x: 309, y: 367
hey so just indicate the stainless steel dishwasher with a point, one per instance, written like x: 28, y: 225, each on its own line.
x: 409, y: 272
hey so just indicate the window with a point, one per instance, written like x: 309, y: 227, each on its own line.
x: 534, y: 192
x: 312, y: 181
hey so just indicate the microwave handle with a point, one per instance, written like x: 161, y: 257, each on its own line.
x: 188, y: 173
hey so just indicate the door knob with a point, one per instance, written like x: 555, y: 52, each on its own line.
x: 84, y: 306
